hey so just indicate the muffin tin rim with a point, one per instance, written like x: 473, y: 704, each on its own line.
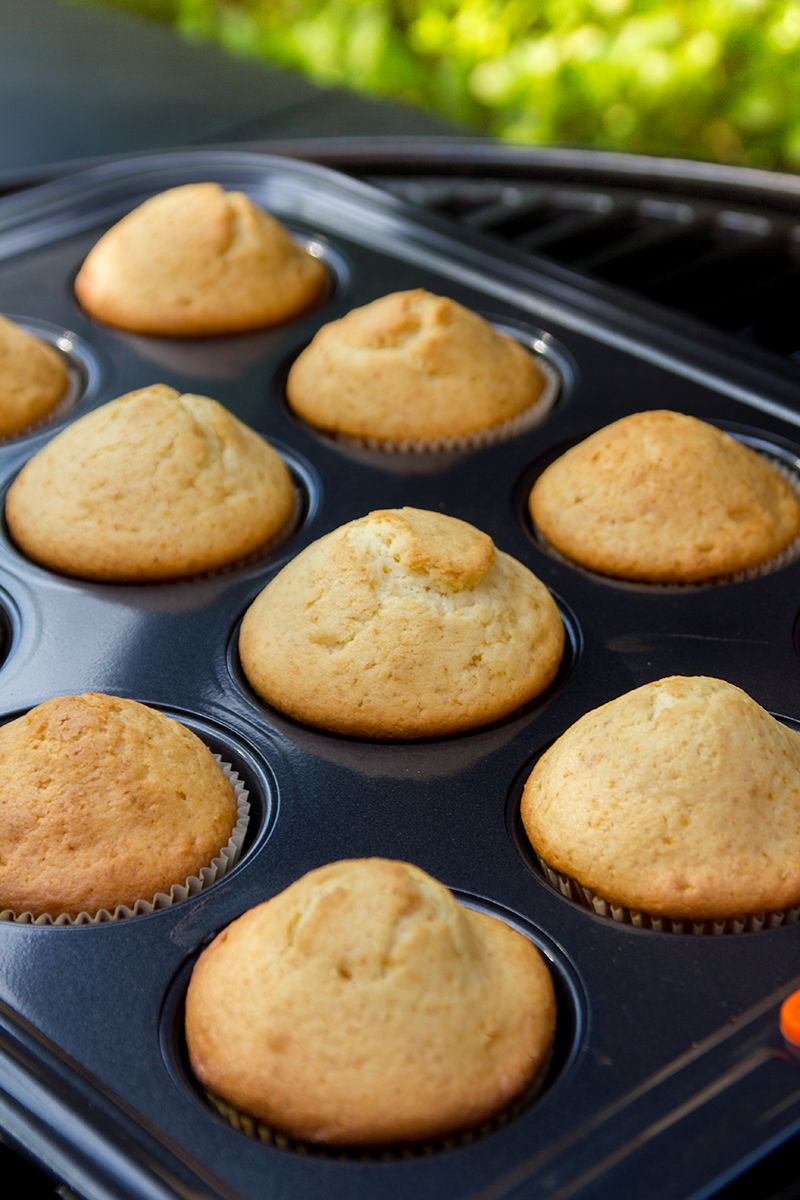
x: 424, y: 242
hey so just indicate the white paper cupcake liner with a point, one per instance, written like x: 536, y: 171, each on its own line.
x: 216, y: 870
x: 786, y: 557
x: 474, y: 440
x: 255, y: 1128
x: 752, y: 923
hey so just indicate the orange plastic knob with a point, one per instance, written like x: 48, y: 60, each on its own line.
x: 790, y: 1018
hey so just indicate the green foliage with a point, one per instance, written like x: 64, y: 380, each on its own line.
x: 713, y: 79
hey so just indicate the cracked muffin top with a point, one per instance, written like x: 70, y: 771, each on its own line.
x: 33, y: 378
x: 155, y: 485
x: 104, y: 802
x: 196, y: 261
x: 680, y: 799
x: 365, y: 1006
x: 412, y: 366
x: 659, y: 497
x: 402, y: 624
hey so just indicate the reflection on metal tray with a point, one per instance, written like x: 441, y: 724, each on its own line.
x: 670, y: 1075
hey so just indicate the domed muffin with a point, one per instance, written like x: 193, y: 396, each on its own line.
x: 33, y: 378
x: 680, y: 799
x: 659, y: 497
x: 197, y: 261
x: 412, y: 367
x: 401, y: 624
x: 104, y: 802
x: 152, y: 486
x: 364, y: 1006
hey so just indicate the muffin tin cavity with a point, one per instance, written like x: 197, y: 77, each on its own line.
x: 9, y: 626
x: 784, y: 457
x: 424, y: 455
x: 586, y: 899
x: 307, y: 496
x: 572, y: 1009
x: 335, y: 263
x: 255, y: 807
x: 81, y: 362
x: 339, y: 748
x: 229, y: 356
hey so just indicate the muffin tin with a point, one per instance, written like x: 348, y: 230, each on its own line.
x: 669, y: 1074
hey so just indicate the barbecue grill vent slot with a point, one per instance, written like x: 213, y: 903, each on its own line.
x: 733, y: 267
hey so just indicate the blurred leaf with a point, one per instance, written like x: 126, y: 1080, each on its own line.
x: 713, y: 79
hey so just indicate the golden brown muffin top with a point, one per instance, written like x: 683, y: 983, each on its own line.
x: 104, y: 802
x: 154, y: 485
x: 660, y: 497
x: 364, y: 1006
x: 402, y: 624
x: 33, y: 378
x: 196, y: 261
x: 680, y: 799
x: 412, y: 366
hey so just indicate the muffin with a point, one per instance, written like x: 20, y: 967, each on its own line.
x: 412, y: 367
x: 363, y: 1006
x: 196, y: 261
x: 680, y: 799
x: 401, y: 624
x: 152, y: 486
x: 33, y: 378
x: 104, y: 802
x: 659, y: 497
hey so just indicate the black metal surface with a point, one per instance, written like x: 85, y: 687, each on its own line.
x: 719, y: 245
x: 674, y: 1079
x: 735, y: 267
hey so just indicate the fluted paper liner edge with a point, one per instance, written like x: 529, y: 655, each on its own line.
x: 751, y: 923
x: 476, y: 439
x: 219, y: 866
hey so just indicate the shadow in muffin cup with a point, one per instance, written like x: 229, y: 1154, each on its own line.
x: 224, y: 357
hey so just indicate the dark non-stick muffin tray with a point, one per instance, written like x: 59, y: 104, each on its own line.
x: 669, y: 1074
